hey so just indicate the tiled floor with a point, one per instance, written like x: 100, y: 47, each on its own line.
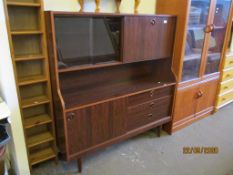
x: 149, y: 155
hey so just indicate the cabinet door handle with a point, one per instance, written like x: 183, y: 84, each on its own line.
x: 209, y: 28
x: 153, y: 22
x: 70, y: 116
x: 200, y: 94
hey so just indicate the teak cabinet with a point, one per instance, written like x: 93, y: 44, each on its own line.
x: 201, y: 28
x: 109, y: 88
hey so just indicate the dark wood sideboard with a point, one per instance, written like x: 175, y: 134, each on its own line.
x: 111, y: 77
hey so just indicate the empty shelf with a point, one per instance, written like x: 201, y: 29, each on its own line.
x: 39, y: 139
x: 32, y: 80
x: 41, y: 156
x: 24, y: 4
x: 28, y: 57
x: 37, y: 120
x: 34, y: 101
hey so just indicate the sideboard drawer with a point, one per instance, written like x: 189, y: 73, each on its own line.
x: 228, y: 62
x: 227, y: 74
x: 225, y: 98
x: 148, y: 112
x: 226, y: 86
x: 149, y: 95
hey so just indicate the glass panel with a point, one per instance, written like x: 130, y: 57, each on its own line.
x: 87, y: 40
x: 195, y: 38
x: 217, y: 36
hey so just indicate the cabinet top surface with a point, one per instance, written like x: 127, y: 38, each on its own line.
x: 66, y: 13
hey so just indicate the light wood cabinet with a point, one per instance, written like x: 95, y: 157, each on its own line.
x: 26, y: 31
x: 198, y: 51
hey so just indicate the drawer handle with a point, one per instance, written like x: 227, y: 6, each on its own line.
x: 152, y: 104
x: 150, y: 115
x: 153, y: 22
x: 223, y: 99
x: 200, y: 94
x: 225, y: 87
x: 231, y: 62
x: 70, y: 116
x: 151, y: 93
x: 228, y: 75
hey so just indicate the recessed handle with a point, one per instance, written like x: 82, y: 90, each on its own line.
x: 70, y: 116
x: 153, y: 22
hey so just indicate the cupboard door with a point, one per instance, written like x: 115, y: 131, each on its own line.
x: 218, y: 31
x: 147, y: 38
x: 207, y: 95
x: 198, y: 18
x: 186, y: 102
x: 94, y: 125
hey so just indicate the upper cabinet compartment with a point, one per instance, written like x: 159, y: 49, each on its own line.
x: 148, y: 37
x: 90, y: 40
x: 87, y: 40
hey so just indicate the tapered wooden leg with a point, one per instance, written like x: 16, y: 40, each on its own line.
x: 159, y: 128
x: 79, y: 162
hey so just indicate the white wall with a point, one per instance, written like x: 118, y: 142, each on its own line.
x: 127, y: 6
x: 8, y: 92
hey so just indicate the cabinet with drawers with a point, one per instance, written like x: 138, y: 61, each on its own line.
x: 225, y: 95
x: 110, y: 88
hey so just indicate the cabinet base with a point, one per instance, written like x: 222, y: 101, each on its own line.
x: 169, y: 128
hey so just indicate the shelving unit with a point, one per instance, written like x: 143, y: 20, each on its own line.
x: 27, y: 38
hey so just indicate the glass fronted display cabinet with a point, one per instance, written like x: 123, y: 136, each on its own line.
x: 200, y: 35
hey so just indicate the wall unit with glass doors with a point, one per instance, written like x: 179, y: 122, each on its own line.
x: 200, y: 36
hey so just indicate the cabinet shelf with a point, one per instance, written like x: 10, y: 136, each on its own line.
x: 106, y: 91
x: 32, y: 80
x: 37, y: 120
x: 28, y: 57
x: 41, y: 156
x: 39, y: 139
x: 85, y: 67
x: 24, y: 4
x: 35, y: 101
x: 28, y: 32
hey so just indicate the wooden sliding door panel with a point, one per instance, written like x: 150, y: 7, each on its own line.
x: 96, y: 124
x: 147, y: 38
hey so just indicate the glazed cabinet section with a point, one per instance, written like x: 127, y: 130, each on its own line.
x: 103, y: 123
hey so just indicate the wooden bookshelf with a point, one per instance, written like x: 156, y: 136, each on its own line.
x: 26, y: 32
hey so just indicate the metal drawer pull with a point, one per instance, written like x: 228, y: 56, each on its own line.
x: 151, y: 93
x: 150, y: 115
x: 70, y: 116
x: 225, y: 87
x: 152, y: 104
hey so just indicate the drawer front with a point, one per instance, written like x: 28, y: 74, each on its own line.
x: 226, y: 86
x: 228, y: 62
x: 228, y: 74
x: 148, y: 112
x: 225, y: 98
x: 150, y: 95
